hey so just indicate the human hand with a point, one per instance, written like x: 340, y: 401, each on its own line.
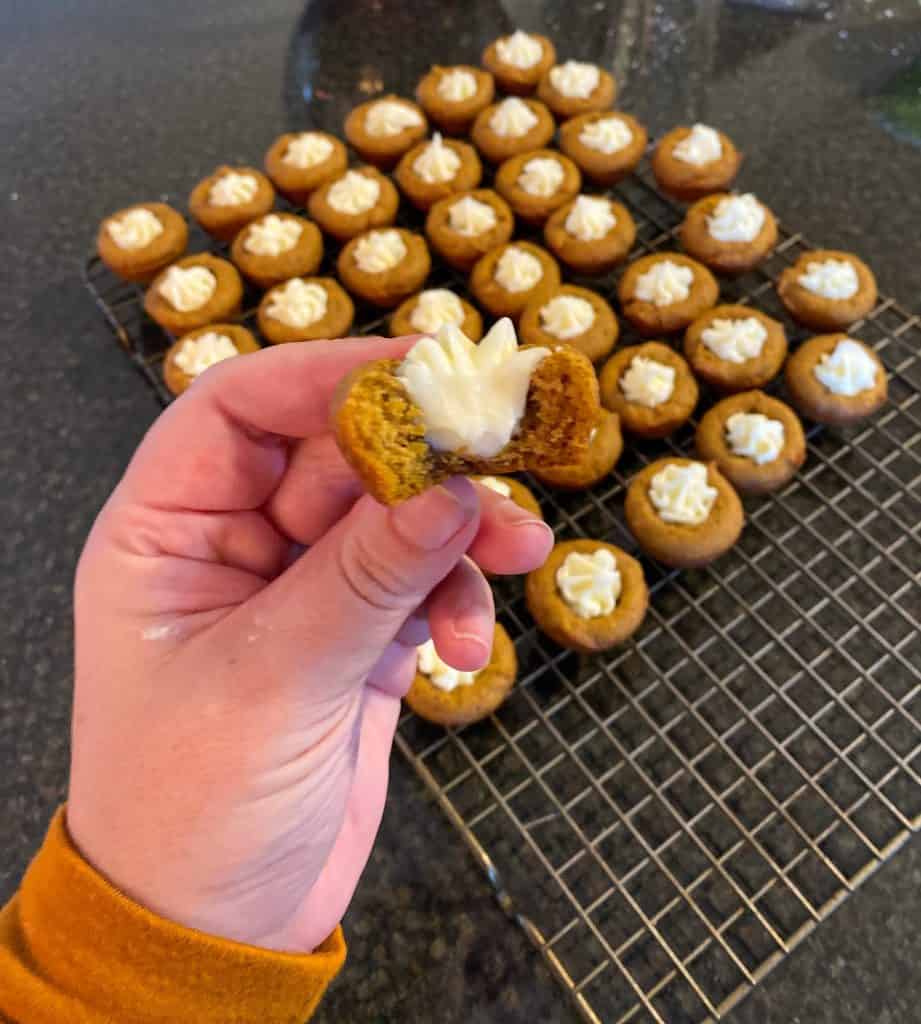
x: 236, y: 700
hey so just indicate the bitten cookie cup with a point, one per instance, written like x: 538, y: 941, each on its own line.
x: 386, y: 288
x: 466, y: 704
x: 454, y: 116
x: 591, y: 255
x: 725, y: 257
x: 222, y: 220
x: 386, y: 149
x: 595, y: 342
x: 422, y: 193
x: 335, y: 322
x: 651, y: 319
x: 223, y: 303
x: 521, y: 495
x: 517, y: 80
x: 689, y: 181
x: 723, y: 375
x: 344, y: 224
x: 401, y: 321
x: 743, y: 472
x: 461, y: 249
x: 644, y: 420
x: 815, y: 401
x: 496, y: 148
x: 266, y: 269
x: 499, y: 300
x: 601, y: 167
x: 605, y: 447
x: 177, y: 379
x: 535, y: 208
x: 818, y: 311
x: 563, y: 106
x: 296, y: 177
x: 142, y: 262
x: 563, y: 625
x: 679, y: 545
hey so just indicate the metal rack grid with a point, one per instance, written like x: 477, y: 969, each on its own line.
x: 668, y: 821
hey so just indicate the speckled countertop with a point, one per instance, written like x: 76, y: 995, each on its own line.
x: 103, y: 103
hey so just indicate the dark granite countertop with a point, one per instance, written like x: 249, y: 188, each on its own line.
x: 103, y: 103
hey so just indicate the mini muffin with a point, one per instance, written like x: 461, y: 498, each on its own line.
x: 300, y: 162
x: 383, y: 267
x: 138, y: 242
x: 276, y: 247
x: 518, y: 61
x: 513, y: 126
x: 507, y: 278
x: 606, y: 145
x: 444, y: 696
x: 382, y: 130
x: 194, y: 291
x: 464, y: 227
x: 591, y: 234
x: 355, y: 201
x: 828, y: 290
x: 588, y: 596
x: 835, y: 379
x: 576, y: 316
x: 537, y: 183
x: 227, y: 200
x: 453, y: 96
x: 663, y: 292
x: 735, y: 348
x: 199, y: 350
x: 514, y: 490
x: 756, y: 441
x: 305, y: 309
x: 426, y: 312
x: 576, y: 88
x: 650, y: 387
x: 729, y: 233
x: 690, y: 163
x: 605, y: 446
x: 438, y: 168
x: 682, y: 512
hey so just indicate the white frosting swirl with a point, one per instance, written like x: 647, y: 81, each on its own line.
x: 512, y: 118
x: 831, y: 279
x: 735, y: 341
x: 541, y: 176
x: 575, y: 79
x: 847, y: 370
x: 308, y: 149
x: 607, y: 135
x: 681, y: 494
x: 519, y: 50
x: 589, y: 583
x: 736, y: 219
x: 390, y: 117
x: 438, y: 672
x: 590, y: 218
x: 701, y: 146
x: 437, y: 162
x: 378, y: 251
x: 470, y: 217
x: 456, y: 85
x: 187, y: 288
x: 272, y: 235
x: 754, y: 436
x: 134, y: 229
x: 195, y: 355
x: 517, y: 270
x: 233, y: 189
x: 647, y: 382
x: 664, y: 283
x: 567, y: 316
x: 494, y: 484
x: 434, y: 307
x: 353, y: 193
x: 298, y: 303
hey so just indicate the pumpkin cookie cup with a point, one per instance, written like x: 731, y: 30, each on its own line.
x: 223, y: 221
x: 563, y: 106
x: 521, y: 495
x: 680, y: 545
x: 224, y: 303
x: 725, y: 257
x: 335, y: 322
x: 461, y: 250
x: 531, y: 208
x: 296, y: 182
x: 563, y: 625
x: 386, y: 288
x: 401, y: 321
x: 651, y: 319
x: 605, y: 447
x: 343, y: 225
x: 423, y: 194
x: 454, y: 116
x: 815, y: 401
x: 267, y: 269
x: 595, y: 255
x: 687, y: 181
x: 383, y: 150
x: 598, y: 166
x: 746, y: 475
x: 644, y: 420
x: 595, y: 342
x: 725, y: 376
x: 512, y: 79
x: 500, y: 301
x: 818, y: 312
x: 143, y: 262
x: 176, y: 379
x: 496, y: 148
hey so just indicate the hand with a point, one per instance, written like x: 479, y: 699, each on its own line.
x: 236, y: 696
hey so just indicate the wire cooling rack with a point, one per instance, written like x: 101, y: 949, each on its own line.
x: 668, y: 821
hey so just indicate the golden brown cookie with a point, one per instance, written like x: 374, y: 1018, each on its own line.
x: 229, y: 198
x: 538, y: 182
x: 511, y: 77
x: 177, y: 378
x: 681, y: 545
x: 268, y: 251
x: 427, y: 320
x: 706, y: 220
x: 382, y: 134
x: 456, y: 229
x: 497, y: 147
x: 299, y: 162
x: 815, y: 400
x: 295, y: 311
x: 379, y: 282
x: 425, y: 176
x: 492, y: 292
x: 606, y: 145
x: 548, y: 322
x: 688, y: 181
x: 214, y: 292
x: 636, y: 416
x: 744, y: 471
x: 453, y: 96
x: 517, y: 492
x: 469, y: 703
x: 356, y: 209
x: 605, y: 447
x: 729, y: 374
x: 820, y: 312
x: 651, y: 318
x: 562, y: 89
x: 574, y: 234
x: 556, y: 617
x: 138, y: 242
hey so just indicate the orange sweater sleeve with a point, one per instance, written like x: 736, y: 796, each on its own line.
x: 73, y: 948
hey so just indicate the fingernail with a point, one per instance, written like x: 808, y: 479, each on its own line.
x: 514, y: 515
x: 430, y: 520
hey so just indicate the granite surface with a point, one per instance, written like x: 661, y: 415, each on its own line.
x: 104, y: 102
